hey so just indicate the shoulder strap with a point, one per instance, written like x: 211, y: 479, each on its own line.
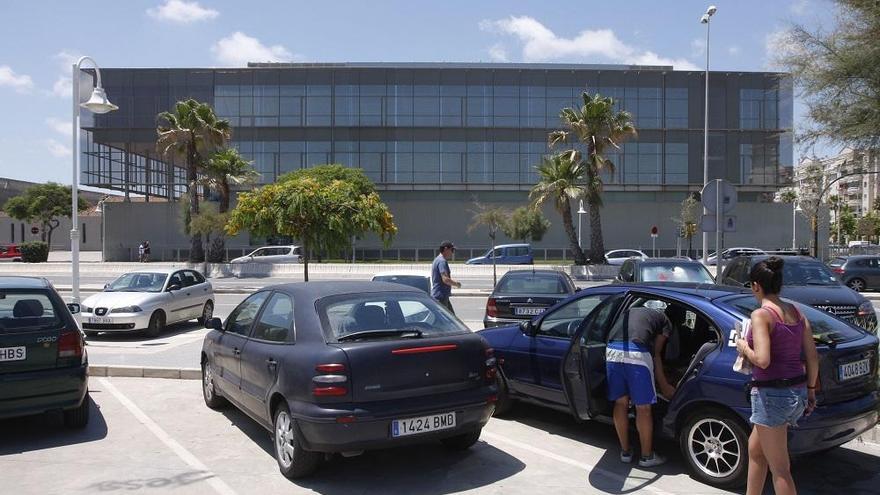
x: 773, y: 312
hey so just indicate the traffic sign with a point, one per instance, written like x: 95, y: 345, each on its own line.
x: 35, y: 230
x: 709, y: 195
x: 655, y: 231
x: 707, y: 224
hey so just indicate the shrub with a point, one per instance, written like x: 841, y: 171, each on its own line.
x: 34, y: 252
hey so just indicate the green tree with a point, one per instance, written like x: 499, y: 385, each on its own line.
x: 224, y: 169
x: 847, y: 224
x: 688, y: 219
x: 211, y: 224
x: 597, y: 125
x: 560, y: 179
x: 835, y: 70
x: 322, y: 215
x: 192, y: 132
x: 45, y: 204
x: 876, y: 205
x: 526, y: 224
x: 867, y: 226
x: 494, y: 219
x: 328, y: 173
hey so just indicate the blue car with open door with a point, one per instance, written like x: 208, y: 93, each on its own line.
x: 557, y: 360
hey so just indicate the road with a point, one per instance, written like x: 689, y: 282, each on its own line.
x: 156, y: 436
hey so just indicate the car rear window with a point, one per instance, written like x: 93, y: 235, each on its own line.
x: 826, y: 328
x: 531, y: 284
x: 386, y: 315
x: 410, y: 280
x: 837, y: 262
x: 25, y: 310
x: 675, y: 272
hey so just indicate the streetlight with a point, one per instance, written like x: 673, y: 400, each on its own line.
x: 99, y: 208
x: 795, y: 208
x: 705, y: 20
x: 581, y: 211
x: 97, y: 103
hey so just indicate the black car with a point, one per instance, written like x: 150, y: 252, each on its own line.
x: 342, y: 367
x: 859, y: 273
x: 43, y: 361
x: 808, y: 281
x: 664, y: 270
x: 521, y: 295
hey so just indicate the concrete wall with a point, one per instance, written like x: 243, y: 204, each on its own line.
x: 16, y: 232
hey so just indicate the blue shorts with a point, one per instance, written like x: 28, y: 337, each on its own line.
x: 630, y: 371
x: 774, y: 407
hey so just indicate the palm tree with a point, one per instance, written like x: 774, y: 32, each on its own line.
x: 225, y: 168
x: 560, y: 180
x: 192, y: 131
x: 596, y: 124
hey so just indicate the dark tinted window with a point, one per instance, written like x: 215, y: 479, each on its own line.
x: 627, y: 270
x: 176, y: 279
x: 276, y: 320
x: 197, y: 276
x: 807, y: 273
x: 675, y: 272
x: 26, y: 310
x: 529, y: 283
x: 826, y: 328
x: 841, y: 261
x: 243, y: 316
x: 565, y: 320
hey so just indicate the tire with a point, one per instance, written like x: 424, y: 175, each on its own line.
x: 157, y: 324
x: 293, y: 461
x: 209, y: 392
x: 504, y: 403
x: 91, y: 333
x: 856, y: 284
x: 463, y: 441
x: 79, y: 417
x: 207, y: 313
x: 712, y: 431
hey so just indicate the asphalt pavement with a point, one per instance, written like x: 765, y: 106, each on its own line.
x: 157, y: 436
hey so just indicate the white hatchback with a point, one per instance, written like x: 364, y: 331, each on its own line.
x: 272, y: 254
x: 148, y: 300
x: 618, y: 256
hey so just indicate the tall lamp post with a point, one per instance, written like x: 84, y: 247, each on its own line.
x: 581, y: 211
x: 795, y: 208
x: 97, y: 103
x: 705, y: 20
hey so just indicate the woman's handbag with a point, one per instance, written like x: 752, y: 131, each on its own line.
x: 742, y: 365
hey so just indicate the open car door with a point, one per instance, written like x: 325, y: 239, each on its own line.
x: 583, y: 366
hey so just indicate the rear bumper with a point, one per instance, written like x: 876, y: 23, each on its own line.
x: 35, y: 392
x: 371, y: 428
x: 830, y: 426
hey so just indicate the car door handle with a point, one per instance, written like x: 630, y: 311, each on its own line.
x: 187, y: 293
x: 236, y: 351
x: 271, y: 363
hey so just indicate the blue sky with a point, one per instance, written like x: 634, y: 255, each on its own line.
x: 41, y: 39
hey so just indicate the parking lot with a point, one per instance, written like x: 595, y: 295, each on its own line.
x: 156, y: 436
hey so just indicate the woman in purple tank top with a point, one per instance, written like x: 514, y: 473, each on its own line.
x: 783, y: 386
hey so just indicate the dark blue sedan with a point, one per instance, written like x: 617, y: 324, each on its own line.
x: 348, y: 366
x: 557, y: 360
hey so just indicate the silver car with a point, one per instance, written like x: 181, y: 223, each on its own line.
x: 148, y: 300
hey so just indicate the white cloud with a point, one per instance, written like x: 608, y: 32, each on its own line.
x: 62, y: 86
x: 799, y: 7
x: 733, y: 50
x: 540, y: 44
x: 57, y: 149
x: 62, y: 127
x: 21, y: 83
x: 181, y: 12
x: 497, y: 53
x: 238, y: 49
x: 698, y: 47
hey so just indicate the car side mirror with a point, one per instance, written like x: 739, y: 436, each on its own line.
x: 215, y: 324
x: 527, y: 328
x: 106, y: 286
x: 747, y: 285
x: 173, y: 287
x: 74, y: 308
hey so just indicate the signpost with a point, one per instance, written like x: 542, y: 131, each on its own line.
x: 35, y: 230
x: 718, y: 197
x: 654, y: 233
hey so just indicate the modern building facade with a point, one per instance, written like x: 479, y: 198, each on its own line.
x: 434, y: 136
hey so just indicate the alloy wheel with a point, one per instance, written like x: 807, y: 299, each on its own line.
x: 208, y: 381
x: 713, y: 448
x: 284, y: 439
x: 856, y: 285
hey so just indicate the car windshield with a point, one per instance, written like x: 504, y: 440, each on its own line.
x: 416, y: 281
x: 809, y: 273
x: 382, y: 315
x: 532, y: 283
x: 674, y: 272
x: 826, y: 328
x: 138, y: 282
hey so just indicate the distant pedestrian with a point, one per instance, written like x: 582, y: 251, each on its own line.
x: 146, y: 251
x: 141, y: 252
x: 441, y: 278
x: 783, y: 386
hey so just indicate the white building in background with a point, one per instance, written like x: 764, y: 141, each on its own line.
x: 858, y: 192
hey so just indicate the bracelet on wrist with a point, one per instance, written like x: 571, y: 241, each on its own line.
x: 811, y: 388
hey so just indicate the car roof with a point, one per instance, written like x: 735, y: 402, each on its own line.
x: 679, y: 261
x: 282, y: 246
x: 325, y: 288
x: 856, y: 256
x: 706, y: 291
x: 544, y: 271
x: 160, y: 269
x: 799, y: 259
x: 402, y: 274
x: 512, y: 245
x: 13, y: 282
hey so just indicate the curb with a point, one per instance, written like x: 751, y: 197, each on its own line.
x: 145, y: 372
x: 251, y: 290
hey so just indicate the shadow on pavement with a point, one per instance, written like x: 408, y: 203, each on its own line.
x: 840, y: 470
x: 180, y: 480
x: 423, y: 468
x: 45, y: 431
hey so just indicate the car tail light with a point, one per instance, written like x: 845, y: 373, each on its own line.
x: 330, y: 380
x: 70, y: 344
x: 491, y: 364
x: 491, y: 308
x: 837, y: 269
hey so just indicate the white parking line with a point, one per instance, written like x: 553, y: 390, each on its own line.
x: 219, y: 485
x: 578, y: 464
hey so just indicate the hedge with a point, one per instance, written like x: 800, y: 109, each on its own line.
x: 34, y: 252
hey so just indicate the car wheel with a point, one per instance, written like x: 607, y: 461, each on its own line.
x: 157, y: 324
x: 207, y: 312
x: 91, y: 333
x: 293, y: 460
x: 463, y: 441
x: 856, y: 284
x: 79, y: 417
x: 209, y: 392
x: 504, y: 403
x: 715, y: 446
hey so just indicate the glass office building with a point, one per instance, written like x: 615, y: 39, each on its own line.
x: 448, y: 127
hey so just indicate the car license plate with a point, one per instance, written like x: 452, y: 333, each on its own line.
x: 854, y: 369
x: 424, y: 424
x: 528, y: 311
x: 13, y: 353
x: 99, y: 320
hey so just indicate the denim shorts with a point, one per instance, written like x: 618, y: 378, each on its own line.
x: 773, y: 407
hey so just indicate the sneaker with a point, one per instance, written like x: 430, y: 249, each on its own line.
x: 626, y: 457
x: 653, y: 460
